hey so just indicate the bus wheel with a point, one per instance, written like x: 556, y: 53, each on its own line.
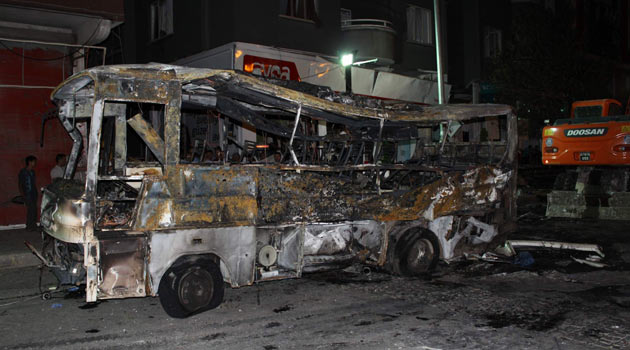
x: 417, y: 254
x: 190, y: 288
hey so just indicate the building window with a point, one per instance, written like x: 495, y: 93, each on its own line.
x: 161, y: 18
x: 492, y: 42
x: 303, y: 9
x: 419, y: 25
x: 346, y: 15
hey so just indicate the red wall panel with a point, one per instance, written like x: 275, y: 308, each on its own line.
x: 20, y: 122
x: 10, y: 66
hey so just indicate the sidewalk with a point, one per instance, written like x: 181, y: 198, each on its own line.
x: 13, y: 252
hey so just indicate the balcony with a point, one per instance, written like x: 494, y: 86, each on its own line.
x: 369, y: 39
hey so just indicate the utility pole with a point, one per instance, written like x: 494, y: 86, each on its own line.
x: 438, y: 51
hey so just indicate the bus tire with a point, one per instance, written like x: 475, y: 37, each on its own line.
x: 190, y: 288
x: 416, y: 254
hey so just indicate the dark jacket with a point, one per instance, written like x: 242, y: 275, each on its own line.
x: 27, y: 183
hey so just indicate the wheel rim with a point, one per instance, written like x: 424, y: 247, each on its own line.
x: 419, y: 256
x: 195, y: 289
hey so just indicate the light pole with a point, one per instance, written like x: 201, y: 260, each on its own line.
x: 438, y: 51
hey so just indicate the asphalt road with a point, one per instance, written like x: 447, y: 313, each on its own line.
x: 554, y: 304
x: 481, y: 306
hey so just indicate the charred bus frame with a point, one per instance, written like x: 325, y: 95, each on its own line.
x: 179, y: 230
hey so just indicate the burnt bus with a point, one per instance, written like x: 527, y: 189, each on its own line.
x: 176, y: 201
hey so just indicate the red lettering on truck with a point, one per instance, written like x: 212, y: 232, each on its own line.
x: 270, y: 68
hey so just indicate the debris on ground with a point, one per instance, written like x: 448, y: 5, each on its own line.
x: 523, y: 244
x: 592, y: 260
x: 524, y: 259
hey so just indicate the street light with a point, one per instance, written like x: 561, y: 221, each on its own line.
x: 347, y: 59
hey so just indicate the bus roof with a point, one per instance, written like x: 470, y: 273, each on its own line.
x: 212, y: 81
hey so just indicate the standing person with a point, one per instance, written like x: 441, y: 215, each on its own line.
x: 57, y: 171
x: 28, y: 189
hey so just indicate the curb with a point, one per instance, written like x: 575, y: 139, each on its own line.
x: 16, y: 260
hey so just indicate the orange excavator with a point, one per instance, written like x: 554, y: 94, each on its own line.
x: 594, y: 145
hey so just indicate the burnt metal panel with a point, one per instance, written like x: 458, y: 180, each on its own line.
x: 114, y: 88
x: 93, y: 149
x: 311, y: 197
x: 306, y: 197
x: 198, y: 197
x: 65, y: 112
x: 120, y: 148
x: 217, y: 196
x: 123, y: 267
x: 240, y: 112
x: 64, y: 214
x: 148, y: 135
x: 479, y: 189
x: 172, y: 122
x: 234, y: 246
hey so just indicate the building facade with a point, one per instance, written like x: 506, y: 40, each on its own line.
x: 400, y: 33
x: 479, y: 31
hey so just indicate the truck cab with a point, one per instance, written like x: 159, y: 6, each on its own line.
x: 596, y: 108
